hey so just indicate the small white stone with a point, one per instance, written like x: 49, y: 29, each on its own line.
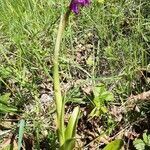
x: 46, y: 98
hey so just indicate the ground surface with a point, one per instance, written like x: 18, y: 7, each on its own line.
x: 107, y: 44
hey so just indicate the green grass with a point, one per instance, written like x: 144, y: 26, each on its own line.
x: 112, y: 39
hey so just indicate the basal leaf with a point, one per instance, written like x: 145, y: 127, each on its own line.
x: 71, y: 127
x: 71, y: 130
x: 68, y: 145
x: 114, y: 145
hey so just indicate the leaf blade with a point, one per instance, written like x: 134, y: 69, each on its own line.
x: 21, y: 132
x: 114, y: 145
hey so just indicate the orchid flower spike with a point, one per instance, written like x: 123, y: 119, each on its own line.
x: 74, y: 6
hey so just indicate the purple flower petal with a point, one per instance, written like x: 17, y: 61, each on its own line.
x: 74, y: 6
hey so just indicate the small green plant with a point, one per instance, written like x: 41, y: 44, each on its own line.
x: 101, y: 97
x: 142, y: 144
x: 4, y: 105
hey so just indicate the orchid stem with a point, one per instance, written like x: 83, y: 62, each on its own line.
x: 57, y: 90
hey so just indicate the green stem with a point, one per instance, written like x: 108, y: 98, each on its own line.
x: 57, y: 90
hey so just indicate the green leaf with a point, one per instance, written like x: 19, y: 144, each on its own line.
x: 145, y: 138
x: 139, y: 144
x: 148, y: 140
x: 114, y: 145
x: 21, y: 131
x: 6, y: 109
x: 95, y: 112
x: 104, y: 109
x: 101, y: 94
x: 90, y: 60
x: 98, y: 102
x: 68, y: 145
x: 107, y: 96
x: 99, y: 89
x: 5, y: 72
x: 71, y: 127
x: 4, y: 98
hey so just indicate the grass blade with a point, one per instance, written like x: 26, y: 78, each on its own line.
x: 21, y: 131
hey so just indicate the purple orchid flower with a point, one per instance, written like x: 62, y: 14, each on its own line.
x: 74, y: 6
